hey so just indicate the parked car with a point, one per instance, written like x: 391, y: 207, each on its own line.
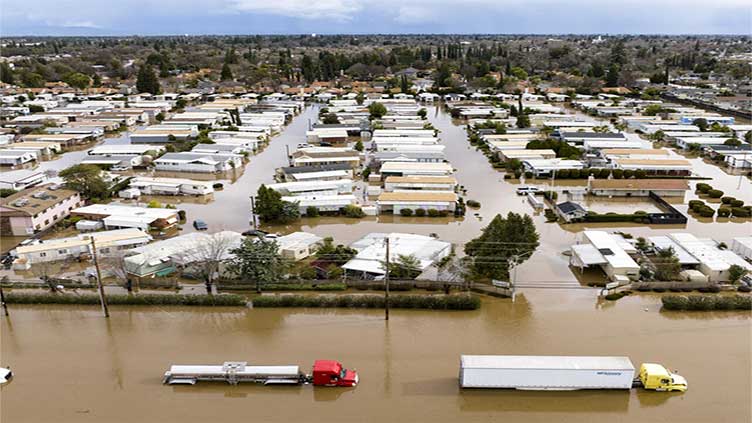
x: 200, y: 225
x: 255, y: 232
x: 527, y: 190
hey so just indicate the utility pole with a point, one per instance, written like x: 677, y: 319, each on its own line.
x: 2, y: 300
x: 253, y: 212
x: 102, y: 297
x: 513, y: 276
x: 386, y: 282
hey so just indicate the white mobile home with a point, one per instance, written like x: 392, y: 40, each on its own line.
x: 171, y: 186
x: 198, y: 162
x: 609, y: 251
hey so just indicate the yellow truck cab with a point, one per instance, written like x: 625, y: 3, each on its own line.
x: 657, y: 377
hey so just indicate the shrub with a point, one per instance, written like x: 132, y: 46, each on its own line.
x: 420, y: 212
x: 431, y: 302
x: 703, y: 188
x: 574, y: 173
x: 305, y: 286
x: 736, y: 203
x: 563, y: 174
x: 127, y: 299
x: 604, y: 173
x: 724, y: 211
x: 312, y: 211
x: 434, y: 213
x: 706, y: 212
x: 706, y: 302
x: 727, y: 200
x: 617, y: 173
x: 528, y: 174
x: 351, y: 210
x: 615, y: 296
x: 741, y: 212
x: 715, y: 193
x: 629, y: 173
x: 473, y: 203
x: 640, y: 174
x: 695, y: 205
x: 406, y: 212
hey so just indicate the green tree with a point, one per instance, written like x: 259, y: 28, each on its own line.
x: 523, y: 121
x: 86, y: 179
x: 404, y: 85
x: 443, y: 73
x: 404, y: 267
x: 736, y: 272
x: 6, y: 73
x: 358, y: 146
x: 502, y: 243
x: 360, y: 98
x: 733, y: 142
x: 330, y: 118
x: 32, y: 80
x: 147, y: 81
x: 377, y: 110
x: 257, y: 260
x: 271, y: 208
x: 308, y: 68
x: 77, y: 80
x: 519, y: 73
x: 226, y: 74
x: 612, y: 76
x: 667, y: 265
x: 334, y: 254
x: 701, y: 123
x: 423, y: 113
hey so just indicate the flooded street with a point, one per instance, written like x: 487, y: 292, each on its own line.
x: 82, y: 367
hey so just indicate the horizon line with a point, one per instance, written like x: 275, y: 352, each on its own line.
x: 404, y: 34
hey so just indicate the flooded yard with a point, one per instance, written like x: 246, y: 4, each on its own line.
x: 83, y: 368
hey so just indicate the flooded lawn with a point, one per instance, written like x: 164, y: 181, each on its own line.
x: 73, y: 365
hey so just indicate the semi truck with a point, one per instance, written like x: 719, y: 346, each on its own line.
x: 563, y: 373
x: 325, y: 373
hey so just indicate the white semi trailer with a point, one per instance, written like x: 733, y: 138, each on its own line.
x: 560, y: 373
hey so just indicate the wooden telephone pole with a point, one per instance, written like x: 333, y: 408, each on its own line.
x: 386, y: 282
x: 2, y: 300
x: 102, y: 298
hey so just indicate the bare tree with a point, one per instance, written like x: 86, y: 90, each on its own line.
x: 116, y: 266
x: 45, y: 270
x: 205, y: 260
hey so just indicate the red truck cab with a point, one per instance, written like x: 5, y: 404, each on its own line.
x: 331, y: 373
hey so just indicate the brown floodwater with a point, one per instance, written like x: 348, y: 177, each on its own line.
x: 72, y: 365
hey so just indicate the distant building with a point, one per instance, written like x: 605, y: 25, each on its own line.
x: 570, y: 211
x: 637, y: 187
x: 36, y: 209
x: 108, y: 242
x: 21, y: 179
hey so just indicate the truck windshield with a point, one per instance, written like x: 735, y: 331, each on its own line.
x: 342, y: 373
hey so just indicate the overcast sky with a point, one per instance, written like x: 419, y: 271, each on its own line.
x: 157, y: 17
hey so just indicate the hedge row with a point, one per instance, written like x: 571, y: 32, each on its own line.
x: 305, y: 287
x: 122, y: 299
x: 707, y: 302
x: 616, y: 217
x: 429, y: 302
